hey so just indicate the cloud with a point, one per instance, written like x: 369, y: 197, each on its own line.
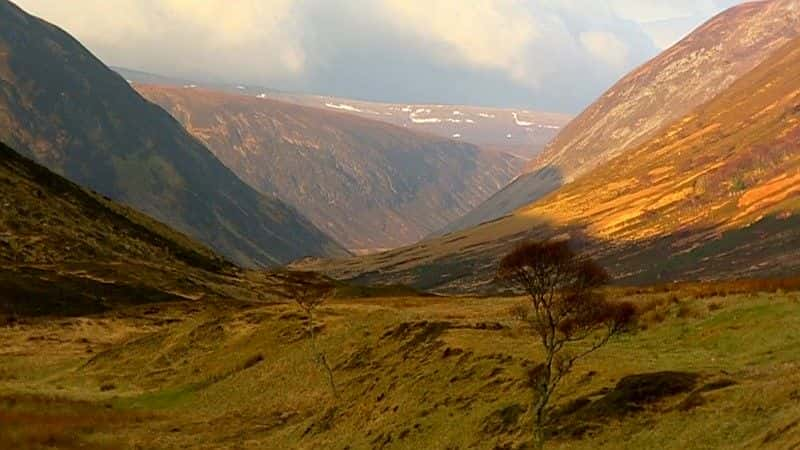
x: 489, y: 34
x: 208, y: 37
x: 606, y: 47
x: 546, y: 54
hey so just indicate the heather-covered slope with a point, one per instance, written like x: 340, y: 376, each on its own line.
x: 368, y: 184
x: 687, y: 75
x: 65, y: 109
x: 716, y: 194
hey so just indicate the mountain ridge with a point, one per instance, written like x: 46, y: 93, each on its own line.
x: 518, y: 131
x: 368, y: 183
x: 684, y: 76
x: 61, y: 106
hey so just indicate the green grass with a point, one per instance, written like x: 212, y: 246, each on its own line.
x: 440, y: 373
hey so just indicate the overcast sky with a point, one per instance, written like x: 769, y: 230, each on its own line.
x: 553, y: 55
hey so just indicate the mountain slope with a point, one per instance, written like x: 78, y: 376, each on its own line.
x: 687, y: 75
x: 368, y: 184
x: 65, y: 249
x: 716, y: 194
x: 47, y: 219
x: 520, y: 132
x: 65, y: 109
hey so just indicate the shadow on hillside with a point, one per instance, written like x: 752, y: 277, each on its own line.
x: 769, y: 247
x: 524, y: 190
x: 34, y: 292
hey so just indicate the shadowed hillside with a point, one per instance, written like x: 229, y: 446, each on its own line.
x: 67, y: 251
x: 687, y: 75
x: 62, y: 247
x: 62, y: 107
x: 368, y: 184
x: 717, y: 194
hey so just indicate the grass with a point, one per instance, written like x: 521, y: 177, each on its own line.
x: 44, y: 422
x: 413, y: 372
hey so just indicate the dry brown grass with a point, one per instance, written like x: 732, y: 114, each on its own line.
x: 43, y: 422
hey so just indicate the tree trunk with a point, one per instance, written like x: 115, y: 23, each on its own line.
x: 319, y: 356
x: 543, y: 389
x: 331, y: 382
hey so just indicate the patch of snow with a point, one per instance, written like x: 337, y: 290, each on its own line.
x: 458, y: 113
x: 343, y: 107
x: 454, y: 120
x: 508, y: 136
x: 550, y: 127
x: 427, y: 120
x: 521, y: 123
x: 261, y: 95
x: 456, y: 136
x: 486, y: 116
x: 241, y: 88
x: 469, y: 121
x: 406, y: 109
x: 189, y: 86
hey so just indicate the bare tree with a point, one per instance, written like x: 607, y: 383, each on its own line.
x: 310, y: 295
x: 567, y: 312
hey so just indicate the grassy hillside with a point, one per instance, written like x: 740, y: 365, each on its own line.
x: 62, y: 107
x: 714, y: 195
x: 701, y: 372
x: 66, y: 251
x: 368, y: 184
x: 692, y: 72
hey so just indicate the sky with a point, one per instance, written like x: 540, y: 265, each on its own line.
x: 553, y: 55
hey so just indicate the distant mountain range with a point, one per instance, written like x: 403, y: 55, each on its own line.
x: 685, y: 76
x: 62, y: 107
x: 369, y: 184
x: 519, y: 132
x: 715, y: 194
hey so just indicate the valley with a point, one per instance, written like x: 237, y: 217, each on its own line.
x: 703, y: 370
x: 709, y: 197
x: 215, y: 265
x: 367, y: 184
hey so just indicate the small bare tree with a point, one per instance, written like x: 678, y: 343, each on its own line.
x: 310, y: 295
x: 567, y: 313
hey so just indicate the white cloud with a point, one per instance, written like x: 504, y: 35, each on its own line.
x: 196, y: 35
x: 554, y: 54
x: 606, y: 47
x: 485, y: 33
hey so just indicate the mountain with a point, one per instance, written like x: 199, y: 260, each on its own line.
x: 63, y: 108
x: 685, y: 76
x: 519, y: 132
x: 48, y: 219
x: 59, y: 237
x: 368, y: 184
x: 714, y: 195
